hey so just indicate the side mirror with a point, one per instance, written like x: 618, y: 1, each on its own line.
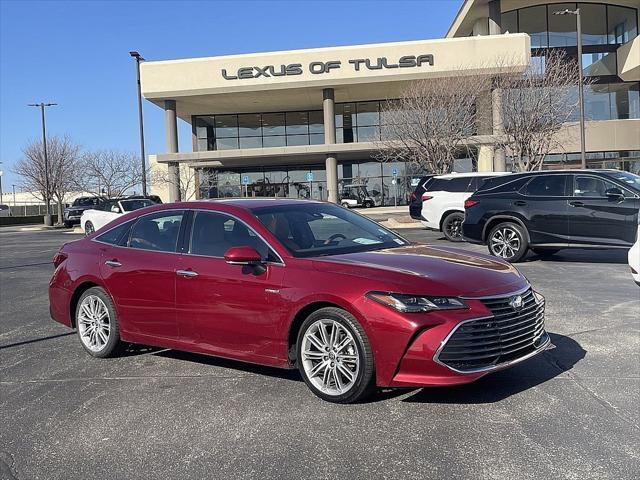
x: 242, y: 256
x: 115, y: 209
x: 614, y: 194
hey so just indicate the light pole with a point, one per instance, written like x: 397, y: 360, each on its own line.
x: 1, y: 172
x: 139, y: 59
x: 42, y: 106
x: 576, y: 12
x: 13, y: 187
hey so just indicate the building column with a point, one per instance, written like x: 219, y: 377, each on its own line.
x: 171, y: 125
x: 499, y: 156
x: 331, y: 163
x: 495, y: 17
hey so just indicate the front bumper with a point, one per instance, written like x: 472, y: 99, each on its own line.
x: 494, y: 339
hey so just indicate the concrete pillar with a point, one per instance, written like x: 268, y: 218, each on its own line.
x: 485, y: 158
x: 331, y: 162
x: 171, y: 125
x: 499, y: 157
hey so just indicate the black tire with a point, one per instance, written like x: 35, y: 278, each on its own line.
x: 68, y: 225
x: 113, y: 345
x: 345, y: 205
x: 452, y: 226
x: 515, y: 246
x: 368, y: 204
x: 545, y: 252
x: 89, y: 228
x: 364, y: 383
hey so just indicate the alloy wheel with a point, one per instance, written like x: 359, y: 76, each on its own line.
x: 330, y: 357
x: 88, y: 228
x: 454, y: 228
x: 505, y: 242
x: 94, y: 323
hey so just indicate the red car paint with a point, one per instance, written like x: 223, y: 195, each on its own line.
x: 229, y: 312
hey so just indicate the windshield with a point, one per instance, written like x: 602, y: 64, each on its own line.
x: 130, y: 205
x: 629, y: 179
x: 324, y: 229
x: 86, y: 202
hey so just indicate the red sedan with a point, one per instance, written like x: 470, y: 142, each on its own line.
x: 297, y: 284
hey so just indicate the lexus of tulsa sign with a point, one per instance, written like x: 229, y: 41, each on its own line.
x: 358, y: 64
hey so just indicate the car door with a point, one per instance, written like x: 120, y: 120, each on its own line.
x: 544, y: 206
x: 140, y: 276
x: 229, y: 310
x: 598, y: 218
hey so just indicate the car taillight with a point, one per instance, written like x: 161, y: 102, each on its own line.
x: 426, y: 197
x: 413, y: 196
x: 470, y: 203
x: 59, y: 258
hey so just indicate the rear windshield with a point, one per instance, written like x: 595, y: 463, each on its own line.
x: 86, y: 202
x: 450, y: 184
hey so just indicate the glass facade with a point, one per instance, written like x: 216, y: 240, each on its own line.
x: 627, y: 160
x: 604, y: 29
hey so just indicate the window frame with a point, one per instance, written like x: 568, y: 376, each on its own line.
x: 627, y: 193
x: 187, y: 239
x: 523, y: 189
x: 176, y: 248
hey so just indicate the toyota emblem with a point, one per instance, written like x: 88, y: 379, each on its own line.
x: 516, y: 302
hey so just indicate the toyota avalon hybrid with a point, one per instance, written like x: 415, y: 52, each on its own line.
x: 297, y: 284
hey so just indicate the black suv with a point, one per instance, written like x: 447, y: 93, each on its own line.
x: 550, y: 210
x: 73, y: 213
x: 415, y: 202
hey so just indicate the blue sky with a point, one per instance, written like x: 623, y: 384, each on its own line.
x: 75, y: 53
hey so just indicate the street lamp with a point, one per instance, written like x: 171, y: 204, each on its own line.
x: 576, y: 12
x: 139, y: 59
x: 42, y: 106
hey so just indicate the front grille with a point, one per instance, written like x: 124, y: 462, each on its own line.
x: 510, y: 334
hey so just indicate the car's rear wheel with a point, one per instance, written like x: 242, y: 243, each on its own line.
x: 335, y: 357
x: 97, y: 323
x: 452, y: 226
x: 89, y: 228
x: 345, y: 204
x: 368, y: 204
x: 508, y: 241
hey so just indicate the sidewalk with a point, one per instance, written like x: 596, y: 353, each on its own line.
x: 391, y: 217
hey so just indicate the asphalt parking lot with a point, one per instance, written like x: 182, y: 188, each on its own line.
x: 572, y: 412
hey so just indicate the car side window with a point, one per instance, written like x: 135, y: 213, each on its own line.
x: 158, y: 232
x: 590, y: 186
x: 214, y: 233
x: 117, y: 235
x: 546, y: 186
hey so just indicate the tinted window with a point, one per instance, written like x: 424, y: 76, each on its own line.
x: 450, y: 185
x: 117, y: 235
x: 547, y: 186
x: 588, y: 186
x: 503, y: 184
x: 629, y: 179
x: 475, y: 184
x: 130, y: 205
x: 157, y: 232
x: 86, y: 202
x: 215, y: 233
x: 324, y: 229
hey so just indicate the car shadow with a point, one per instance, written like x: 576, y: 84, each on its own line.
x: 503, y: 384
x: 293, y: 375
x: 619, y: 256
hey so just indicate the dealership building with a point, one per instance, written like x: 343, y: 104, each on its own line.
x: 308, y: 123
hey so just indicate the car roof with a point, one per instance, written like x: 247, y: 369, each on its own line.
x: 250, y: 203
x: 449, y: 176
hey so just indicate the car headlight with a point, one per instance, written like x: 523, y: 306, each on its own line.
x: 413, y: 303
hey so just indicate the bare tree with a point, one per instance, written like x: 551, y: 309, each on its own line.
x: 62, y: 157
x: 188, y: 183
x: 110, y: 172
x: 432, y: 122
x: 535, y: 105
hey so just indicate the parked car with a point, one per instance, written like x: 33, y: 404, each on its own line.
x: 109, y: 210
x: 5, y: 210
x: 443, y: 201
x: 634, y: 257
x: 73, y: 213
x: 551, y: 210
x: 356, y: 195
x: 297, y: 284
x: 415, y: 200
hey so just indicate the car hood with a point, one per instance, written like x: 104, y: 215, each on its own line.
x: 426, y: 269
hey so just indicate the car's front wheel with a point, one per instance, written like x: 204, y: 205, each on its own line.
x: 508, y: 241
x: 335, y: 357
x: 89, y: 228
x: 97, y: 323
x: 452, y: 226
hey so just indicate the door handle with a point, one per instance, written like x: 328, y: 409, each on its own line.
x: 113, y: 263
x: 520, y: 203
x: 576, y: 204
x: 187, y: 273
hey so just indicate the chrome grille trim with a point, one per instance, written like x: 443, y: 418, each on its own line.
x: 495, y: 342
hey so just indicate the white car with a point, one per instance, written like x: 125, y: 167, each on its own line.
x: 443, y: 201
x: 634, y: 257
x: 93, y: 219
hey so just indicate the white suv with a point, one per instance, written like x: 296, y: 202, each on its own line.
x: 443, y: 201
x: 634, y: 257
